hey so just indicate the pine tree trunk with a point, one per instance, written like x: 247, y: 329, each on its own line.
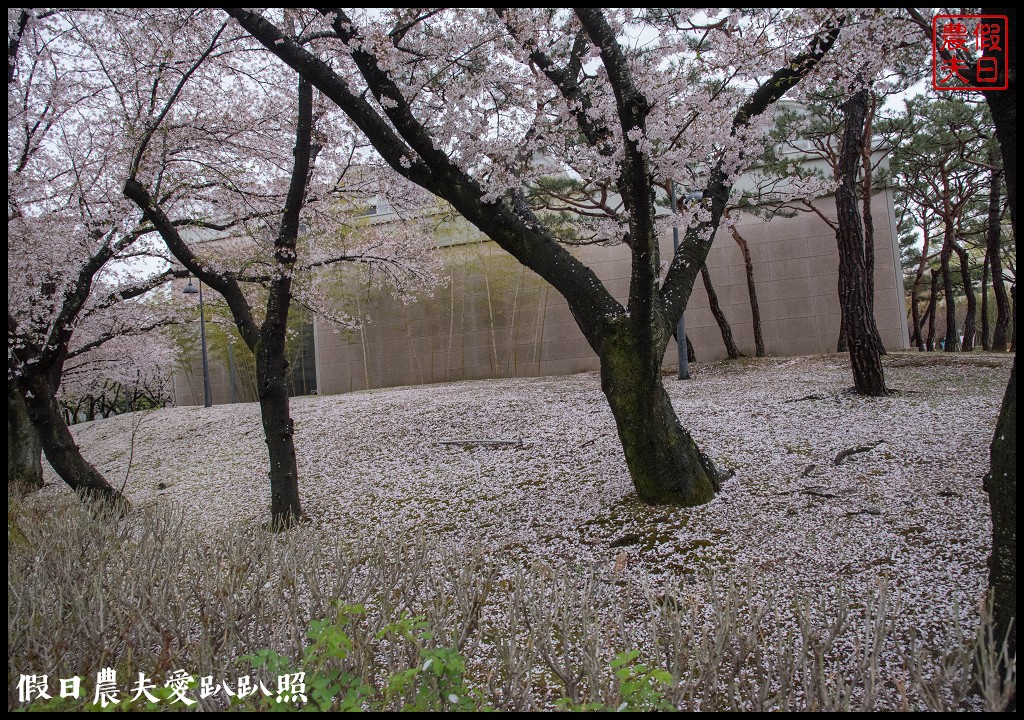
x: 868, y: 221
x: 996, y: 264
x: 970, y: 323
x: 952, y: 338
x: 865, y: 359
x: 664, y: 461
x: 59, y: 446
x: 986, y: 331
x: 933, y: 307
x: 917, y: 336
x: 723, y: 322
x: 755, y: 310
x: 24, y: 450
x: 915, y: 292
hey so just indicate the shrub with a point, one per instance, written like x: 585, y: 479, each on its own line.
x: 415, y: 625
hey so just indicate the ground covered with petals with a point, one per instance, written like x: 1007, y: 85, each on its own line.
x: 828, y: 487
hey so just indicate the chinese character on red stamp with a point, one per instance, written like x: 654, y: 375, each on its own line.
x: 969, y: 52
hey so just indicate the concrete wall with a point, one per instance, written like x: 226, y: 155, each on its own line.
x: 495, y: 318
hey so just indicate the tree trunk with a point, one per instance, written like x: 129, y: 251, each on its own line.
x: 996, y: 265
x: 933, y: 307
x: 986, y: 333
x: 841, y: 345
x: 755, y: 310
x: 868, y: 220
x: 916, y: 289
x: 1001, y: 486
x: 970, y: 322
x: 723, y: 322
x: 865, y: 359
x: 1002, y: 478
x: 951, y: 341
x: 665, y: 463
x: 915, y: 315
x: 278, y: 430
x: 1013, y: 319
x: 60, y: 448
x: 24, y: 461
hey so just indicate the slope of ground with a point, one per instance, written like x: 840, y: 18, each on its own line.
x: 908, y: 503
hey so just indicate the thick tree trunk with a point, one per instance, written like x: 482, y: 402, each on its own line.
x: 970, y: 323
x: 60, y: 448
x: 24, y: 450
x: 1001, y: 486
x: 267, y: 342
x: 755, y: 310
x: 723, y: 322
x: 664, y: 461
x: 865, y: 359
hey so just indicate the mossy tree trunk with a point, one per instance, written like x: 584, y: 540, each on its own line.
x: 24, y: 449
x: 664, y: 461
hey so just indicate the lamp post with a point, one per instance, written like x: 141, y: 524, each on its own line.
x: 191, y: 290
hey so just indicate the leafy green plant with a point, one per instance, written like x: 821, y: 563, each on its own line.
x: 437, y: 681
x: 642, y: 687
x: 329, y: 686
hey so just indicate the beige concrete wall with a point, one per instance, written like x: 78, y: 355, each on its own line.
x: 495, y: 318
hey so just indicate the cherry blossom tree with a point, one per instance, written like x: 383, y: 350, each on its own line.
x: 479, y: 107
x: 120, y: 359
x: 251, y: 175
x: 71, y: 134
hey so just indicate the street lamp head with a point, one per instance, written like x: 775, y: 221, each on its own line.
x: 190, y: 289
